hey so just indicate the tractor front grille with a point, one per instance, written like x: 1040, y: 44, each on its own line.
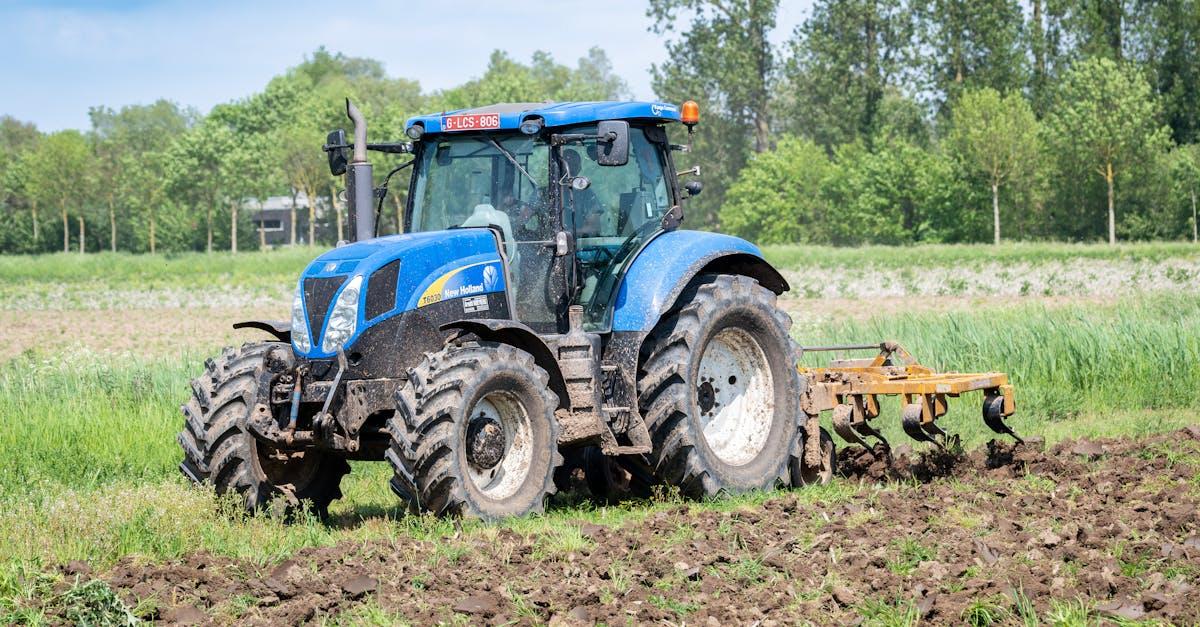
x: 318, y: 295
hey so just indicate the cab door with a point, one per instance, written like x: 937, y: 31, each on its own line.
x: 613, y: 214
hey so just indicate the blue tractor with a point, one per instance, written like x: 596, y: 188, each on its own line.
x: 542, y: 311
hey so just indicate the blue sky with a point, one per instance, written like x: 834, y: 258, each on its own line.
x: 62, y: 56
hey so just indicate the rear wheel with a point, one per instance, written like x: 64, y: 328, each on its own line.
x: 719, y: 389
x: 474, y: 433
x: 218, y: 450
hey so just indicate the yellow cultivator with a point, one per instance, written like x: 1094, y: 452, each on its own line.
x: 851, y: 387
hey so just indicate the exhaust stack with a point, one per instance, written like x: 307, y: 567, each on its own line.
x: 360, y: 184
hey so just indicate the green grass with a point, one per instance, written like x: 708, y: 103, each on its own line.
x: 184, y: 269
x: 800, y: 257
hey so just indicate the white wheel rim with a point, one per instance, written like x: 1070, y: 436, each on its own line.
x: 735, y: 396
x: 505, y: 478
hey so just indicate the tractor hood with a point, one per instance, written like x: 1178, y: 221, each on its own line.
x: 356, y: 286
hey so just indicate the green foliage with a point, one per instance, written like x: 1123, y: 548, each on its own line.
x: 970, y: 45
x: 778, y: 197
x: 998, y: 137
x: 1105, y: 122
x: 930, y: 114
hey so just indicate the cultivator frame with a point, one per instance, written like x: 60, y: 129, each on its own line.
x: 850, y: 389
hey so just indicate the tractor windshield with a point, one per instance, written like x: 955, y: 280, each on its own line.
x: 500, y: 180
x: 482, y: 180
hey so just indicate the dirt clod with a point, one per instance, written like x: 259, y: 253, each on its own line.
x: 484, y: 605
x: 359, y: 586
x: 185, y: 615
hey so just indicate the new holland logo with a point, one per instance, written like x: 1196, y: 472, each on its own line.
x: 490, y: 276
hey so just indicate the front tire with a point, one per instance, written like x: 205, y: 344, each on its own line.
x: 474, y: 433
x: 218, y: 450
x: 719, y: 390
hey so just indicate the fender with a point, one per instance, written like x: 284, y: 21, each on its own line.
x: 667, y: 263
x: 515, y: 334
x: 279, y: 329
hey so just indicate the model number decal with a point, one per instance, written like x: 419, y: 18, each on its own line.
x: 473, y: 280
x: 471, y: 122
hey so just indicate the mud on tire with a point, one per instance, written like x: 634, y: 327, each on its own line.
x: 474, y: 433
x: 217, y: 449
x: 722, y: 328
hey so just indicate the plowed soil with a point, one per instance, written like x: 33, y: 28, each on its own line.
x: 1109, y: 527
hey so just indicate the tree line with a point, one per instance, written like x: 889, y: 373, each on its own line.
x: 875, y: 121
x: 898, y: 121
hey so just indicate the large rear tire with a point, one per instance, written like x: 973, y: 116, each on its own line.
x: 474, y: 433
x: 218, y: 450
x: 719, y: 390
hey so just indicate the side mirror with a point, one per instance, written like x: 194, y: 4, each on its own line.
x: 613, y: 143
x: 692, y: 188
x: 335, y: 149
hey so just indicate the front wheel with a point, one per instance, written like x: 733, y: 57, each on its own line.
x: 719, y: 390
x: 474, y: 433
x: 218, y: 450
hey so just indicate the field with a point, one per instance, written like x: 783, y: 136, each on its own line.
x: 1096, y: 522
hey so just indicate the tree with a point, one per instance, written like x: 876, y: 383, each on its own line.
x: 997, y: 135
x: 970, y: 44
x: 17, y: 142
x: 1165, y: 40
x: 57, y: 175
x: 723, y: 60
x: 845, y: 58
x: 725, y: 50
x: 777, y: 198
x: 1185, y: 171
x: 1106, y: 119
x: 120, y: 138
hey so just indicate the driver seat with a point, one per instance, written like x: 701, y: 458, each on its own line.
x: 487, y: 215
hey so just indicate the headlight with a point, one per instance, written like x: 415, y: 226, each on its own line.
x: 344, y: 317
x: 299, y: 325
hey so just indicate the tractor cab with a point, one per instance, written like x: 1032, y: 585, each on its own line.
x: 573, y: 190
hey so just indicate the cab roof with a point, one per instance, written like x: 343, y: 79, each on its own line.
x: 553, y: 114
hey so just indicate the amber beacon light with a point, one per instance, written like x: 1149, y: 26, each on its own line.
x: 689, y: 114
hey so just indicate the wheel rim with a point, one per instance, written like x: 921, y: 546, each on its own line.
x: 736, y: 396
x: 499, y: 445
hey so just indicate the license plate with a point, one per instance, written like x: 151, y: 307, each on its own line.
x: 471, y: 122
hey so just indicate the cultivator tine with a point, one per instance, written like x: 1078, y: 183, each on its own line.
x: 841, y: 424
x: 850, y: 422
x: 866, y: 429
x: 997, y: 406
x: 911, y: 421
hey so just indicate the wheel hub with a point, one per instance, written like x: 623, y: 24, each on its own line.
x: 706, y: 396
x: 485, y: 442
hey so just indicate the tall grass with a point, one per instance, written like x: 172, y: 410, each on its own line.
x: 92, y: 418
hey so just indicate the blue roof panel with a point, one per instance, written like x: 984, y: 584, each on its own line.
x: 557, y: 113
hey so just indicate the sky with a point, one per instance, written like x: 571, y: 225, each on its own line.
x: 62, y: 56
